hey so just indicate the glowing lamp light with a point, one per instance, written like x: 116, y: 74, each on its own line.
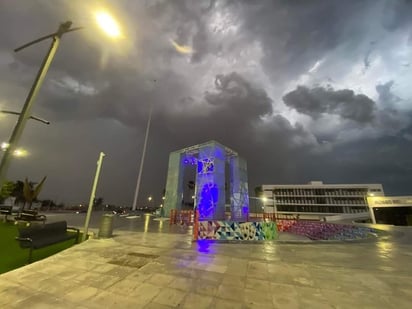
x: 108, y: 24
x: 150, y: 198
x: 4, y: 146
x: 20, y: 153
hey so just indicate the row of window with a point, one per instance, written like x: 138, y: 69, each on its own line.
x: 325, y: 192
x: 321, y: 209
x: 321, y: 200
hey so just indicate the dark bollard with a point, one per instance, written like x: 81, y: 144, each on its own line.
x: 106, y: 226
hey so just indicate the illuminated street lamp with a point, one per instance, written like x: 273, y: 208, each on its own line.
x: 108, y: 24
x: 17, y: 152
x: 20, y: 153
x: 105, y: 22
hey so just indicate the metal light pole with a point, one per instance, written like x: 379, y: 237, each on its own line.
x: 26, y: 111
x: 31, y: 117
x: 139, y: 177
x: 92, y: 195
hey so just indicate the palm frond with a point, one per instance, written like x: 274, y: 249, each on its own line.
x: 27, y: 191
x: 38, y: 188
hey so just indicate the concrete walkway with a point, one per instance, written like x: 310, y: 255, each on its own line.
x: 164, y: 270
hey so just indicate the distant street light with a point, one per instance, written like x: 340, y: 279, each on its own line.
x: 107, y: 24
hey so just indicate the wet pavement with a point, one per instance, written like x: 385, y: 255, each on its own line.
x: 149, y: 264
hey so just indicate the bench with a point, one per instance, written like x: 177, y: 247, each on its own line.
x: 39, y: 236
x: 6, y: 211
x: 29, y: 216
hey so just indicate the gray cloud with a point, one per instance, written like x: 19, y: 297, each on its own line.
x: 397, y: 13
x: 386, y: 97
x: 246, y: 54
x: 319, y: 100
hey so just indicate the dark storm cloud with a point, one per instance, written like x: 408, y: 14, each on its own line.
x: 385, y: 94
x: 235, y: 94
x: 189, y: 21
x: 295, y: 34
x: 385, y: 160
x: 98, y: 92
x: 397, y: 13
x: 320, y: 100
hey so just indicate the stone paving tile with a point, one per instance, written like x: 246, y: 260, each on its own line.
x: 161, y: 279
x: 156, y: 306
x: 238, y: 281
x: 210, y: 276
x: 119, y: 271
x: 145, y: 293
x: 231, y: 292
x: 198, y: 301
x: 170, y: 297
x: 182, y: 283
x: 281, y: 301
x: 104, y: 281
x: 81, y: 293
x: 54, y: 285
x: 223, y: 276
x: 106, y: 299
x: 217, y: 268
x: 226, y: 304
x: 257, y: 298
x: 124, y: 287
x: 44, y: 301
x: 15, y: 294
x: 258, y: 285
x: 139, y: 276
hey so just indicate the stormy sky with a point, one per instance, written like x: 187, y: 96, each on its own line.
x: 304, y: 90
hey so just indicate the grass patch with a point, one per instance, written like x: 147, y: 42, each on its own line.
x: 12, y: 256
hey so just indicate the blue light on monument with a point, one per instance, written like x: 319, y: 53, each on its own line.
x: 209, y: 197
x: 190, y: 160
x: 210, y: 159
x: 205, y: 166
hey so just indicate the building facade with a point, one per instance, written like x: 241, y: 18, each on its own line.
x: 317, y: 200
x: 394, y: 210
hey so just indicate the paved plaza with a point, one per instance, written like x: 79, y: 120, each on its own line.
x: 163, y: 268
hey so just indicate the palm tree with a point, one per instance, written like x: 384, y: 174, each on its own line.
x: 6, y: 190
x: 31, y: 191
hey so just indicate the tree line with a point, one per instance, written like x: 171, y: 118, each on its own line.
x: 25, y: 192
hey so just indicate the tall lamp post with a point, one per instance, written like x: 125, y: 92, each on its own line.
x: 105, y: 21
x: 28, y: 104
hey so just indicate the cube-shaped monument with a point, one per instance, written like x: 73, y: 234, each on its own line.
x: 210, y: 160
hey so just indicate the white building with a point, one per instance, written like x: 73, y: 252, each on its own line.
x: 395, y: 210
x: 317, y: 200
